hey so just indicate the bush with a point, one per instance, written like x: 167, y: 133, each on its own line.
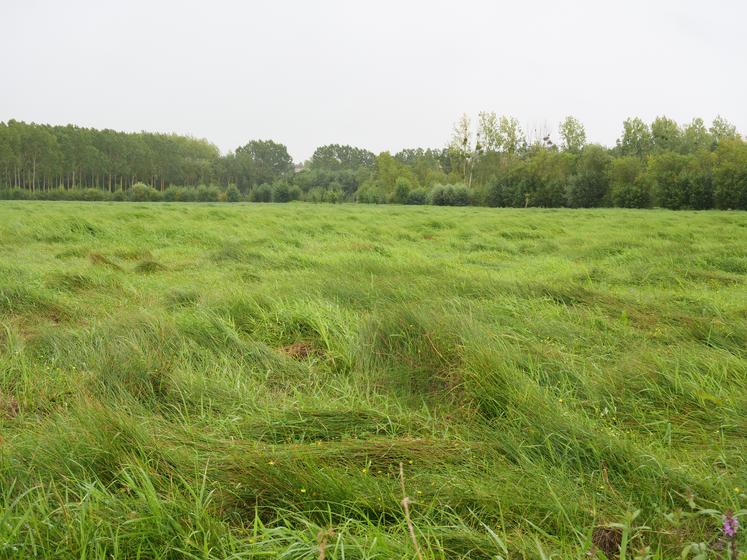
x: 15, y: 194
x: 93, y: 195
x: 233, y: 194
x: 280, y: 192
x: 207, y: 194
x: 332, y: 197
x: 171, y: 194
x: 461, y: 195
x: 315, y: 195
x: 635, y: 194
x: 369, y: 194
x: 56, y: 194
x: 261, y: 193
x: 402, y: 188
x: 450, y: 195
x: 730, y: 175
x: 283, y: 192
x: 417, y: 196
x: 140, y: 192
x: 186, y: 194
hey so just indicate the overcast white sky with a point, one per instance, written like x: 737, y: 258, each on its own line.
x: 376, y: 74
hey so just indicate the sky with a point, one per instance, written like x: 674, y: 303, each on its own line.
x: 381, y: 75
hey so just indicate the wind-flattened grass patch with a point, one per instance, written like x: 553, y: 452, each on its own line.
x: 67, y: 229
x: 132, y: 354
x: 321, y: 425
x: 182, y: 297
x: 69, y: 281
x: 370, y: 247
x: 31, y: 300
x: 235, y: 251
x: 73, y: 252
x: 520, y: 234
x: 410, y: 350
x: 133, y: 253
x: 102, y: 260
x: 149, y: 266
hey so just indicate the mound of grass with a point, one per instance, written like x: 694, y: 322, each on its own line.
x: 531, y: 383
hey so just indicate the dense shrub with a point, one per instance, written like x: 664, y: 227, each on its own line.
x: 171, y: 194
x: 140, y: 192
x: 207, y: 194
x: 233, y: 194
x: 94, y: 194
x: 184, y: 194
x: 284, y: 192
x: 450, y: 195
x: 315, y: 194
x: 629, y: 188
x: 15, y: 194
x: 332, y: 197
x: 417, y: 196
x: 371, y: 194
x: 730, y: 175
x: 588, y: 187
x: 402, y: 188
x: 261, y: 193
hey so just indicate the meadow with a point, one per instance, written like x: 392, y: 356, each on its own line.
x: 270, y: 381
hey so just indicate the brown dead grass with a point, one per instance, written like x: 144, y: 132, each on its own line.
x: 298, y: 351
x: 9, y: 406
x: 607, y: 540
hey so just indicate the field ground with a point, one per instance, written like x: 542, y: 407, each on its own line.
x: 243, y: 381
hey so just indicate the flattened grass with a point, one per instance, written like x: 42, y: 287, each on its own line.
x: 233, y: 382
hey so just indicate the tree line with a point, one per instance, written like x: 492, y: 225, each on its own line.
x: 489, y: 161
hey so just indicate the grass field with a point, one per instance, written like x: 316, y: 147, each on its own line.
x: 244, y: 381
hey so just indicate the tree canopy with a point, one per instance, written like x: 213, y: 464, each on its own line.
x: 488, y: 161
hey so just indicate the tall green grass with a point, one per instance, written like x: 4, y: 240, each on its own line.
x: 207, y: 381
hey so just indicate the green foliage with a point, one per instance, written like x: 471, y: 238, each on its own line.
x: 450, y: 195
x: 680, y: 181
x: 335, y: 157
x: 259, y: 162
x: 140, y: 192
x: 636, y: 139
x: 730, y: 175
x: 402, y: 190
x: 682, y: 167
x: 589, y: 186
x: 332, y: 196
x: 207, y: 194
x: 629, y: 188
x: 261, y: 193
x: 572, y: 134
x: 721, y: 129
x: 283, y: 192
x: 233, y: 194
x: 417, y: 197
x: 666, y: 173
x: 695, y: 137
x: 666, y: 135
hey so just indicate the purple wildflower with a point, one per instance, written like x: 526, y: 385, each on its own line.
x: 731, y: 525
